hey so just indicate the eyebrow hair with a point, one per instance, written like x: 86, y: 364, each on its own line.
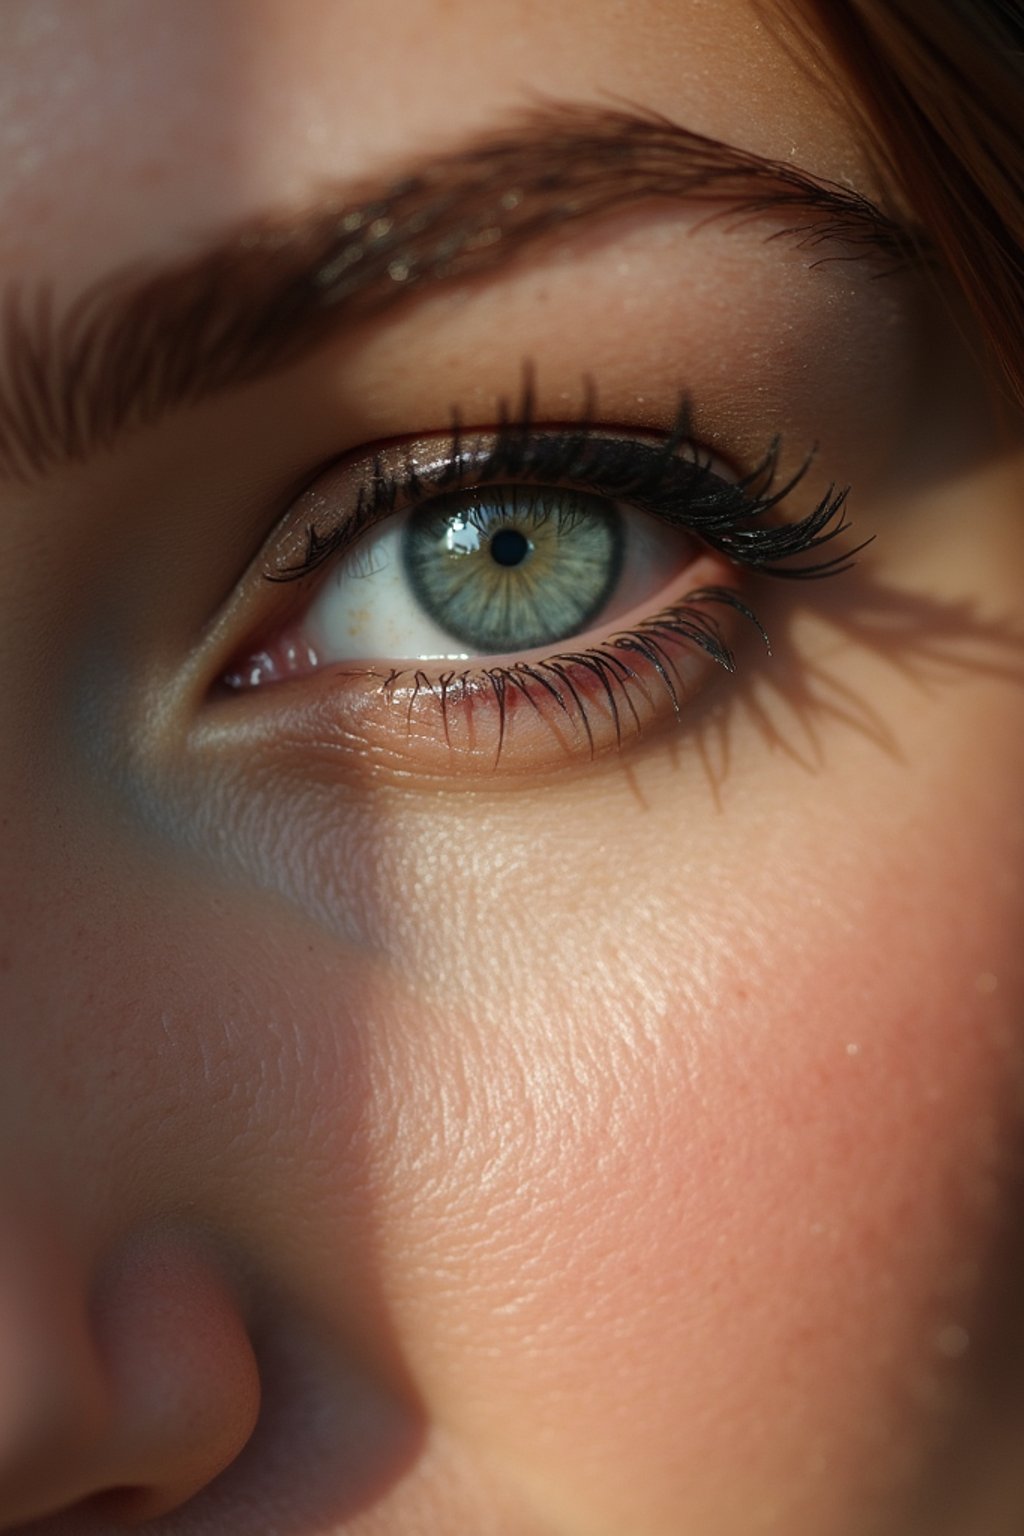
x: 148, y: 339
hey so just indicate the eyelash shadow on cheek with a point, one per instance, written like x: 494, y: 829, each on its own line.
x: 582, y: 700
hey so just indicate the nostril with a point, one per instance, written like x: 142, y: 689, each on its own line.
x: 123, y: 1506
x: 119, y: 1508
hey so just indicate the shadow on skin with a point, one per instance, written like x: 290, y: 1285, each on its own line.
x: 303, y: 1472
x: 305, y: 1468
x: 796, y: 694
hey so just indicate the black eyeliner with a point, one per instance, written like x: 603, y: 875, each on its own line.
x: 669, y: 480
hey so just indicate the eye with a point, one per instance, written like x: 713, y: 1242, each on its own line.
x: 501, y: 570
x: 523, y: 596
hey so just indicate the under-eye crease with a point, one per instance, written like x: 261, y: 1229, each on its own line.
x: 512, y: 493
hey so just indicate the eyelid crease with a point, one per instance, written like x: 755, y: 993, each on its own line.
x: 148, y: 339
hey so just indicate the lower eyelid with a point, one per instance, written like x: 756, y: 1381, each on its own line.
x: 510, y: 719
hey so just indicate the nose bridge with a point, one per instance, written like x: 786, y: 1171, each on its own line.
x: 89, y: 1069
x: 53, y: 1057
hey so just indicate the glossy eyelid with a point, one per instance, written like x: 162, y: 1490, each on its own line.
x: 671, y: 479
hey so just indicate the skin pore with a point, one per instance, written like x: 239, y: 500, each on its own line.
x: 399, y: 1134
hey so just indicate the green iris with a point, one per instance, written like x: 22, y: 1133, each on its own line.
x: 511, y: 567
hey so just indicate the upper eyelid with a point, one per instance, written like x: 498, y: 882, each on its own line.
x: 459, y: 460
x: 273, y: 289
x: 657, y: 470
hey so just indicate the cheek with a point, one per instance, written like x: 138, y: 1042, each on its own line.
x: 707, y: 1207
x: 675, y: 1184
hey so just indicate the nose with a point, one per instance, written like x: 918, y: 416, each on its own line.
x: 126, y: 1395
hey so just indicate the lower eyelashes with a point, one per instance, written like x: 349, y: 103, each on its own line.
x: 512, y: 718
x: 590, y: 700
x: 525, y: 597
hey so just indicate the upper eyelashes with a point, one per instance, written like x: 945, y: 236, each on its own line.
x: 670, y: 480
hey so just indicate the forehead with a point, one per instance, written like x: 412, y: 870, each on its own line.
x: 129, y: 129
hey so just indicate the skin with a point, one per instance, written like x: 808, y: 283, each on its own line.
x: 389, y: 1144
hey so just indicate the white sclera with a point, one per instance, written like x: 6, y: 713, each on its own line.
x: 366, y: 610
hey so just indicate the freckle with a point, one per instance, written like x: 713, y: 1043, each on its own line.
x: 986, y: 983
x: 952, y: 1341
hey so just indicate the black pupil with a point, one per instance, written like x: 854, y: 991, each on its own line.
x: 509, y: 547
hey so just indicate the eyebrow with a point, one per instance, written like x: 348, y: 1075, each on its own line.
x: 147, y: 339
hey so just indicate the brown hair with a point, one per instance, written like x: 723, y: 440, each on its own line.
x: 939, y: 85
